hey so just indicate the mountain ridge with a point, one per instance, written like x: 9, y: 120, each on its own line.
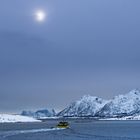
x: 119, y: 106
x: 86, y: 106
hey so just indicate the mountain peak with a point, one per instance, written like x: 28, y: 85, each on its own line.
x: 134, y: 91
x: 89, y: 98
x: 86, y: 106
x: 124, y: 104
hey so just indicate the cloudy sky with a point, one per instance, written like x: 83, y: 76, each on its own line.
x: 81, y: 47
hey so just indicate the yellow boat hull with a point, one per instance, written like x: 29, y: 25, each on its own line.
x: 62, y: 126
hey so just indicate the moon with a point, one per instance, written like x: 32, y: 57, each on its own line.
x: 40, y: 15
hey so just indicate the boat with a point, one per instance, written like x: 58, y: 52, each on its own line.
x: 63, y: 124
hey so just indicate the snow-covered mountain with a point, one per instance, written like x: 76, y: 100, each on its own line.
x: 39, y: 114
x: 86, y: 106
x: 6, y: 118
x: 122, y: 105
x: 126, y: 105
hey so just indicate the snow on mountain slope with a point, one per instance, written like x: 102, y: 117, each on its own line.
x: 86, y: 106
x: 6, y: 118
x: 39, y: 114
x: 122, y: 105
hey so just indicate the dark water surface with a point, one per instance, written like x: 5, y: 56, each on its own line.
x: 80, y: 130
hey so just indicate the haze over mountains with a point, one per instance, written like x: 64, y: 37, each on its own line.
x: 39, y: 113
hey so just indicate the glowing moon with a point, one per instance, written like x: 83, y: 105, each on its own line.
x: 40, y: 16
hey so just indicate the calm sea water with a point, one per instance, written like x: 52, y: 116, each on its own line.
x: 80, y: 130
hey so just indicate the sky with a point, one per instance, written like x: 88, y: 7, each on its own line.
x: 82, y: 47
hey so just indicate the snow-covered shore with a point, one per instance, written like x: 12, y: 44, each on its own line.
x: 7, y: 118
x: 135, y: 117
